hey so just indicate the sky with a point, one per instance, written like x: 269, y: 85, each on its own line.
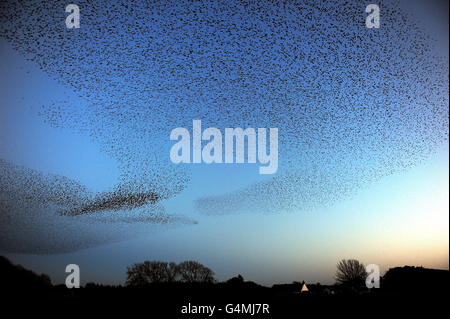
x: 351, y: 184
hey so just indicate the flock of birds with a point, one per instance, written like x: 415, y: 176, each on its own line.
x: 352, y: 104
x: 46, y: 213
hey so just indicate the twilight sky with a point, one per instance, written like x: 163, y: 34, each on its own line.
x: 363, y: 137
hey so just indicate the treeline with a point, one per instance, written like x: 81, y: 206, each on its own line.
x: 150, y: 272
x: 165, y: 287
x: 16, y: 277
x: 350, y: 277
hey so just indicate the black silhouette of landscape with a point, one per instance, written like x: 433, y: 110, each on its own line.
x: 161, y: 289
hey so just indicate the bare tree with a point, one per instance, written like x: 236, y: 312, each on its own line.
x: 172, y: 272
x: 192, y: 271
x: 151, y: 272
x: 351, y: 273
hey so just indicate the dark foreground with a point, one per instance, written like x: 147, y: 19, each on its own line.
x: 405, y: 292
x: 169, y: 301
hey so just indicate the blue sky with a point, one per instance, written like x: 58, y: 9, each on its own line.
x: 381, y: 225
x: 393, y: 219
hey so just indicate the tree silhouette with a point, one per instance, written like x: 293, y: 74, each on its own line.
x: 16, y: 277
x: 141, y: 274
x: 151, y: 272
x: 192, y: 271
x: 351, y: 273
